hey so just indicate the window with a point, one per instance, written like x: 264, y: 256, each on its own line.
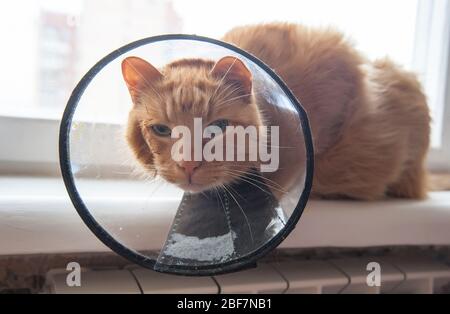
x: 48, y: 45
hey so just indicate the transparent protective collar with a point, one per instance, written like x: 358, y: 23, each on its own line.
x: 213, y: 232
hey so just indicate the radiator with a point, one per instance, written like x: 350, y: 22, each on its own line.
x: 346, y: 275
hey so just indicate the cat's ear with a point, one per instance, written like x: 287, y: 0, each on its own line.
x: 231, y: 69
x: 139, y: 75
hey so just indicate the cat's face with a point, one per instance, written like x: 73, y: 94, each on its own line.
x: 218, y: 93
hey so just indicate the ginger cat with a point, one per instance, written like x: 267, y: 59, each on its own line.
x: 370, y: 121
x: 181, y: 91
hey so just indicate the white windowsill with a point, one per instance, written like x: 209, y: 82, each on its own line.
x: 36, y: 216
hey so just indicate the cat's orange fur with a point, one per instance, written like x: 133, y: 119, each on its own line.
x: 184, y: 90
x: 370, y: 120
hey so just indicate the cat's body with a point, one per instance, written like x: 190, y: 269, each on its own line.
x: 370, y: 121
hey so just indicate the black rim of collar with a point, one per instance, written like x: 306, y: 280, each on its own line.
x: 134, y: 256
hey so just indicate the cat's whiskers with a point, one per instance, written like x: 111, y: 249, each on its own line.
x: 217, y: 191
x: 225, y: 98
x: 252, y: 181
x: 275, y: 211
x: 223, y: 78
x: 226, y: 101
x: 258, y: 176
x: 234, y: 190
x: 242, y: 211
x: 225, y: 92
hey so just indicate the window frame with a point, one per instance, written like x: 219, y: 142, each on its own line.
x: 28, y: 154
x: 432, y: 15
x: 30, y: 145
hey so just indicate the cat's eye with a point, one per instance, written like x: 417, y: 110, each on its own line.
x: 222, y: 123
x: 211, y: 129
x: 161, y: 130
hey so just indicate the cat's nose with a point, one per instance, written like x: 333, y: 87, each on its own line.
x: 189, y: 166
